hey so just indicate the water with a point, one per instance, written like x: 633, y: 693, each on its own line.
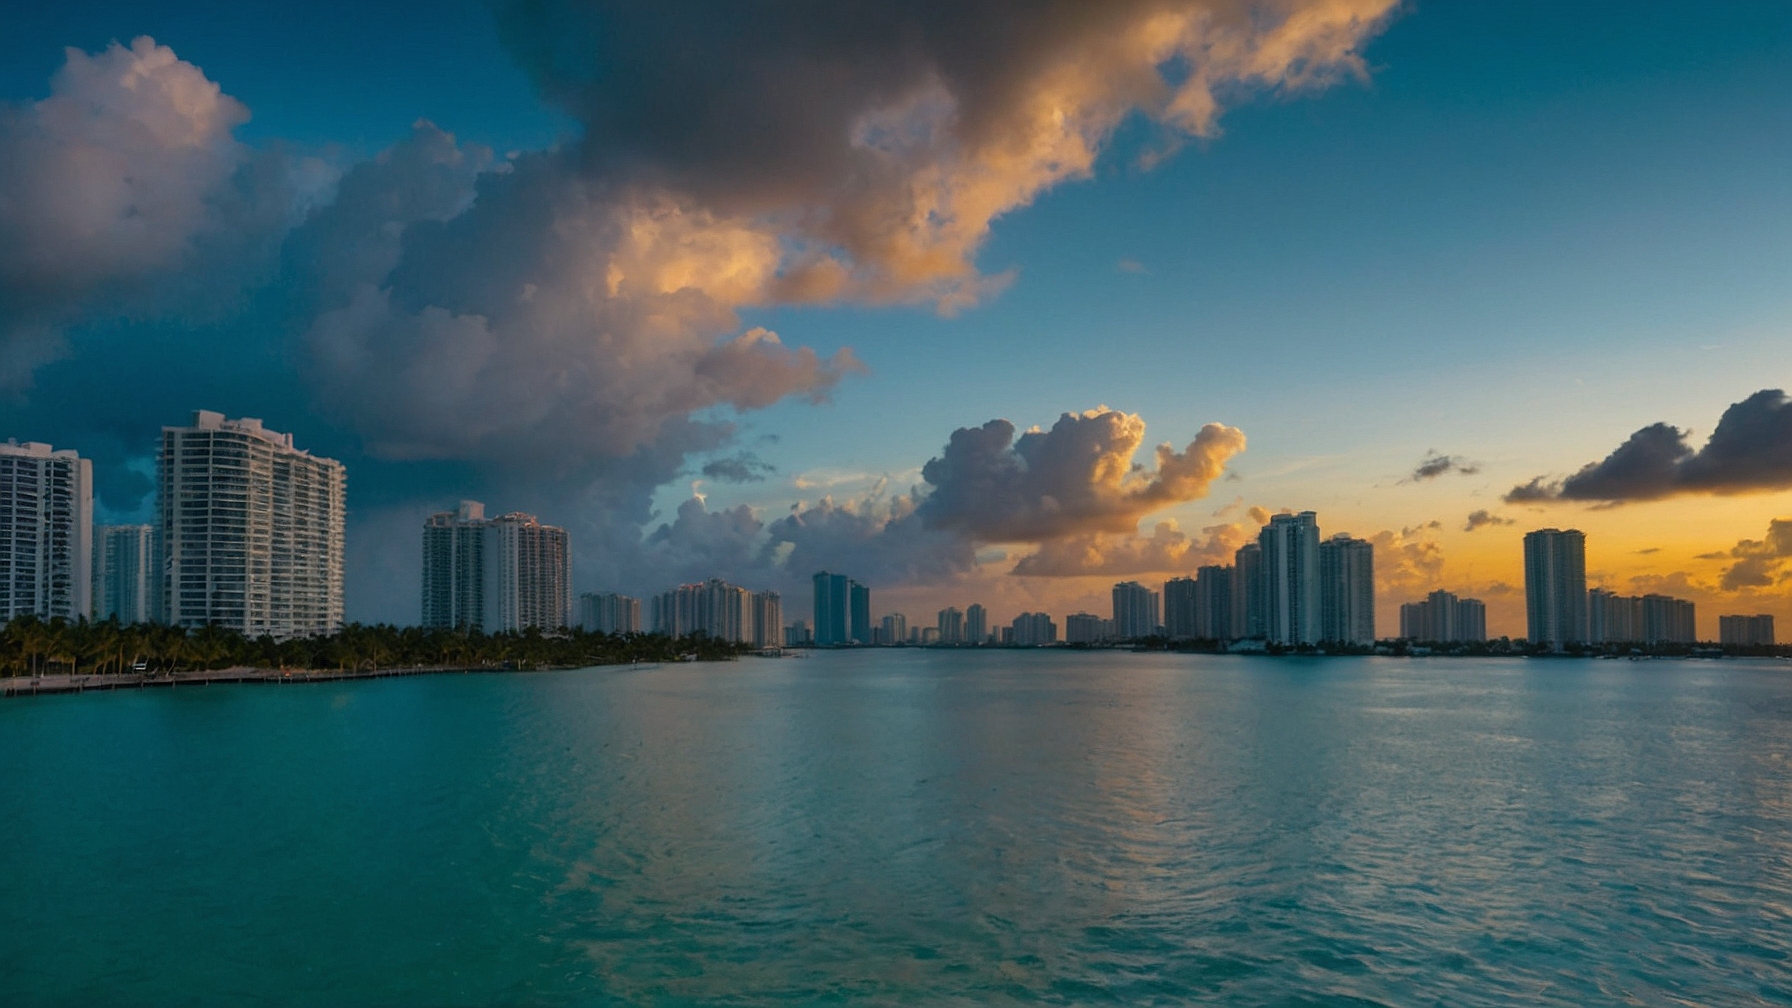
x: 912, y: 827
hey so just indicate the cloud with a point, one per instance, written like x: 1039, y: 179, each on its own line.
x: 126, y: 191
x: 1078, y: 478
x: 1435, y: 464
x: 1483, y: 517
x: 743, y: 467
x: 1166, y: 550
x: 1409, y: 562
x: 1131, y: 266
x: 1760, y: 562
x: 1750, y: 451
x: 564, y: 327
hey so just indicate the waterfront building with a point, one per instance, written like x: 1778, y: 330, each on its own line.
x: 798, y: 634
x: 951, y: 626
x: 1213, y: 603
x: 894, y: 629
x: 1613, y: 618
x: 842, y: 610
x: 1290, y: 544
x: 46, y: 532
x: 1032, y: 630
x: 716, y: 609
x: 859, y: 623
x: 768, y: 619
x: 1135, y: 611
x: 1555, y: 587
x: 249, y: 530
x: 1646, y: 619
x: 1347, y: 590
x: 1668, y: 620
x: 976, y: 624
x: 1745, y: 631
x: 123, y: 573
x: 833, y: 605
x: 609, y: 613
x: 1443, y: 618
x: 1083, y: 628
x: 929, y: 635
x: 1180, y: 619
x: 1250, y: 605
x: 495, y: 574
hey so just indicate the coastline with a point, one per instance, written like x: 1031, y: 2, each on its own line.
x: 54, y: 684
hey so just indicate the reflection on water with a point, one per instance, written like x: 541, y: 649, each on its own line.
x: 908, y: 825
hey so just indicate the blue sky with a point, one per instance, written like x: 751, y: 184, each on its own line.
x: 1532, y: 229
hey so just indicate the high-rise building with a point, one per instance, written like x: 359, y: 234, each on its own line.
x: 46, y: 532
x: 860, y: 600
x: 1290, y: 544
x: 609, y: 613
x: 1135, y: 610
x: 713, y: 608
x: 951, y: 625
x: 123, y: 562
x: 1444, y: 618
x: 894, y: 629
x: 248, y: 530
x: 1250, y: 598
x: 1214, y: 592
x: 1555, y: 587
x: 833, y: 608
x: 1032, y: 630
x: 1347, y: 590
x: 768, y: 619
x: 976, y: 624
x: 495, y: 574
x: 1745, y: 631
x: 1668, y: 620
x: 1180, y: 618
x: 454, y: 568
x: 1613, y: 618
x: 1083, y: 628
x: 798, y: 634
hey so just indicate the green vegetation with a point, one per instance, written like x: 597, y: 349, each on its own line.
x: 29, y: 646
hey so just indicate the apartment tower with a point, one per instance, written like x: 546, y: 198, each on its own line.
x: 1555, y: 587
x: 1291, y: 598
x: 46, y: 532
x: 249, y: 530
x: 123, y: 573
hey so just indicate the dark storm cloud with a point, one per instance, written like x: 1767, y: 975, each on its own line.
x: 742, y: 467
x: 1749, y: 451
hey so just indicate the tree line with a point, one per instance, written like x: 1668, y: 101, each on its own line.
x: 33, y: 646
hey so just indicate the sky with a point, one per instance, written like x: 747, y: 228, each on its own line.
x: 915, y: 292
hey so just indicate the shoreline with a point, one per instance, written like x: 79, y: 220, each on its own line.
x: 16, y: 686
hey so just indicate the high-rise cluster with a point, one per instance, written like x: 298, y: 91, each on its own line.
x: 1444, y: 619
x: 1290, y: 587
x: 610, y: 613
x: 499, y: 574
x: 717, y: 609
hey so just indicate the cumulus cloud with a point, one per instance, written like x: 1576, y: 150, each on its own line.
x: 124, y: 188
x: 1482, y: 518
x: 1760, y: 563
x: 1436, y: 464
x: 567, y: 322
x: 1078, y: 478
x: 1167, y: 549
x: 1749, y: 451
x: 1410, y: 562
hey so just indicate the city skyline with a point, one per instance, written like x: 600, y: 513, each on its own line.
x: 1520, y: 307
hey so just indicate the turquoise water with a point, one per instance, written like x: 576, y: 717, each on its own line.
x: 912, y: 827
